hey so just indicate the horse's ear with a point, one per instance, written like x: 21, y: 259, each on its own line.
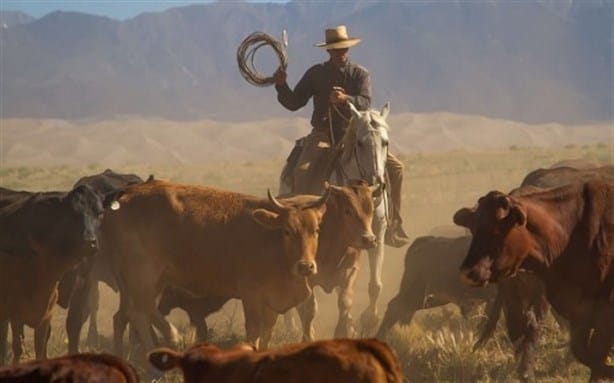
x: 385, y: 110
x: 355, y: 112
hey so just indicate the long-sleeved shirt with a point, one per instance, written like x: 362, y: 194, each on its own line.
x: 318, y: 82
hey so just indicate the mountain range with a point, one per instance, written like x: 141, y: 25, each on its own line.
x: 534, y: 62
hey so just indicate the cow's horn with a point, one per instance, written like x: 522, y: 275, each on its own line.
x: 274, y: 200
x: 320, y: 201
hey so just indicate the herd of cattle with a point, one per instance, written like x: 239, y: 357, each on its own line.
x: 162, y: 245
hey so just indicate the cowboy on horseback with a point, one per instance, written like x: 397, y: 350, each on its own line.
x: 333, y: 84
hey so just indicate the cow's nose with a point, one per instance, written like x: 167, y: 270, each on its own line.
x: 306, y: 268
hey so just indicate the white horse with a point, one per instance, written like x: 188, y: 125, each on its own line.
x: 363, y: 153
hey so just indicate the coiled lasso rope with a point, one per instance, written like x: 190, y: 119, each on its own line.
x: 247, y: 50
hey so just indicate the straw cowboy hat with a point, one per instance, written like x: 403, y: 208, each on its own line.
x: 337, y: 38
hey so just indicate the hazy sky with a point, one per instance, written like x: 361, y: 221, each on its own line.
x: 116, y: 9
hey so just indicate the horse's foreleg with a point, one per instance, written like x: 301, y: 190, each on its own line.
x: 369, y: 318
x: 307, y: 312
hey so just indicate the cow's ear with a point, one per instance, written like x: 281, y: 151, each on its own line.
x: 464, y: 217
x: 267, y: 218
x: 518, y: 215
x: 164, y: 359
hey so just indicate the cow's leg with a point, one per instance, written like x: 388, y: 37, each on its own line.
x: 93, y: 305
x: 269, y: 317
x: 579, y: 335
x: 401, y: 308
x: 345, y: 325
x: 169, y: 332
x: 17, y: 331
x: 41, y: 337
x: 526, y: 349
x: 369, y: 318
x: 533, y: 317
x: 600, y: 344
x: 140, y: 320
x: 120, y: 321
x: 307, y: 311
x: 78, y: 311
x: 200, y: 325
x: 4, y: 334
x: 199, y: 312
x: 253, y: 319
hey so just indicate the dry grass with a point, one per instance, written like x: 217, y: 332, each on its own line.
x: 437, y: 346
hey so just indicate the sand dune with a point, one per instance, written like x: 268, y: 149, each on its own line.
x: 121, y: 141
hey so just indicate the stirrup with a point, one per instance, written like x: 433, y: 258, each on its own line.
x: 395, y: 235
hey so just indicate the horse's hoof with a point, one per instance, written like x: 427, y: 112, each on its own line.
x: 368, y: 324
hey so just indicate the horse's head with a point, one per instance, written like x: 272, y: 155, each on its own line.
x: 365, y: 145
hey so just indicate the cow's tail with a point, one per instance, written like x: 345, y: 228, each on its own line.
x: 385, y: 356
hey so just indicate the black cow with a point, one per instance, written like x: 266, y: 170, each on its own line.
x: 42, y: 235
x: 79, y: 288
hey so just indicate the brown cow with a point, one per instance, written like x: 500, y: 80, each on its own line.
x: 430, y: 279
x: 338, y: 255
x: 564, y: 235
x: 346, y: 222
x: 210, y: 242
x: 79, y: 368
x: 325, y: 361
x: 558, y: 176
x: 42, y: 235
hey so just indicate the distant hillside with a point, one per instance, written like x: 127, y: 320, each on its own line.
x: 118, y: 142
x: 9, y: 19
x: 536, y: 61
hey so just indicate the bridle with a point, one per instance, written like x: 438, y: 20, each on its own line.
x: 362, y: 170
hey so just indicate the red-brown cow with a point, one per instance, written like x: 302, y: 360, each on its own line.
x: 212, y: 243
x: 566, y: 236
x: 326, y: 361
x: 79, y: 368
